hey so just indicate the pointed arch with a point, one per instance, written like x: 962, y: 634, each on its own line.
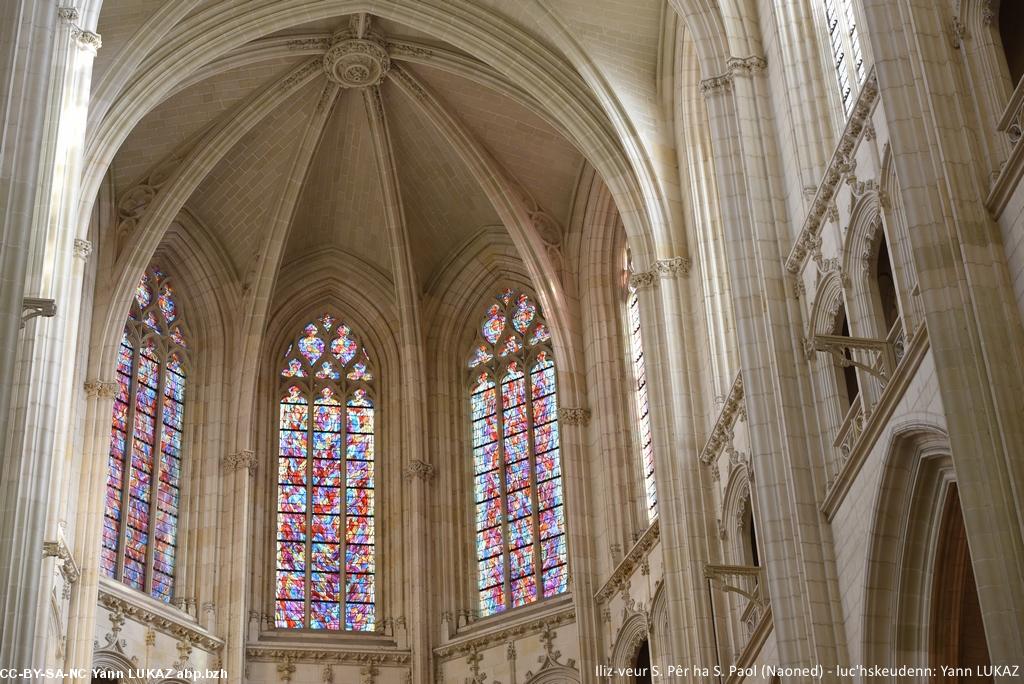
x: 520, y: 515
x: 325, y: 569
x: 140, y: 520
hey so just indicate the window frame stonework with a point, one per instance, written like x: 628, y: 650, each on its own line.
x: 155, y: 320
x: 486, y: 360
x: 343, y: 388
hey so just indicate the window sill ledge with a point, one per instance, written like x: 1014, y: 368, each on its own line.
x: 165, y: 618
x: 497, y: 628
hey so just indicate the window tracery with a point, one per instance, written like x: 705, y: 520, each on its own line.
x: 140, y: 521
x: 520, y: 519
x: 326, y: 552
x: 844, y: 44
x: 642, y: 406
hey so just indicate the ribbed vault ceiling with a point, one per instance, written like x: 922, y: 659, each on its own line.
x: 340, y: 201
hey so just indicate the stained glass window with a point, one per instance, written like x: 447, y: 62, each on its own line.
x: 325, y: 569
x: 844, y: 44
x: 140, y: 521
x: 643, y: 410
x: 520, y: 519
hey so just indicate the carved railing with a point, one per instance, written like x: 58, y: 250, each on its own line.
x: 897, y: 339
x: 745, y: 601
x: 850, y: 430
x: 1013, y: 116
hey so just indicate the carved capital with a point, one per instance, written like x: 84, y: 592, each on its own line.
x: 419, y: 470
x: 574, y: 416
x: 673, y: 267
x: 68, y: 15
x: 82, y: 249
x: 642, y: 280
x: 246, y: 458
x: 101, y: 389
x: 87, y: 40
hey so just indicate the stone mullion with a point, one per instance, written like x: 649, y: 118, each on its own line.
x: 308, y: 551
x: 974, y: 329
x: 531, y: 457
x: 801, y: 572
x: 154, y: 472
x: 126, y: 468
x: 499, y: 419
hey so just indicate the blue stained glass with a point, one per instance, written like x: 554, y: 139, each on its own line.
x: 553, y: 551
x: 552, y: 522
x: 546, y: 437
x: 490, y: 571
x: 488, y: 542
x: 519, y: 504
x: 360, y: 473
x: 488, y: 513
x: 492, y: 600
x: 359, y: 558
x: 556, y: 581
x: 341, y: 500
x: 326, y: 473
x: 360, y: 448
x: 549, y: 493
x: 325, y: 557
x: 359, y: 588
x: 520, y: 532
x: 327, y: 445
x: 517, y: 447
x: 524, y: 590
x: 517, y: 475
x: 485, y: 457
x: 360, y: 617
x: 521, y: 561
x: 488, y: 485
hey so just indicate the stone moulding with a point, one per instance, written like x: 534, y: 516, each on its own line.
x: 162, y: 620
x: 477, y: 643
x: 720, y: 433
x: 734, y: 66
x: 632, y: 560
x: 837, y: 169
x: 324, y: 654
x: 673, y: 267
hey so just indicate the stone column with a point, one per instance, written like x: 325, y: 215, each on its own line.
x: 797, y: 542
x: 99, y: 406
x: 668, y: 347
x: 236, y: 534
x: 45, y: 364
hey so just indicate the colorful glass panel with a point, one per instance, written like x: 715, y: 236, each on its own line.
x: 325, y: 527
x: 520, y: 531
x: 140, y: 521
x: 642, y: 408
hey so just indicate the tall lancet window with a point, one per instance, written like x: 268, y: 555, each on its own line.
x: 140, y: 521
x: 844, y: 43
x: 643, y: 411
x: 325, y: 483
x: 520, y: 518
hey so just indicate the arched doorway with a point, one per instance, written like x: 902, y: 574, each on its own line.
x: 642, y: 664
x: 957, y: 632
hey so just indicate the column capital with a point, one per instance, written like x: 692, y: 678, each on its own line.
x: 420, y: 470
x: 246, y: 458
x: 82, y: 249
x: 100, y: 388
x: 672, y: 267
x: 574, y: 416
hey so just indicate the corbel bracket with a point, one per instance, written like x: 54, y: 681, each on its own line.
x: 37, y: 306
x: 837, y: 345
